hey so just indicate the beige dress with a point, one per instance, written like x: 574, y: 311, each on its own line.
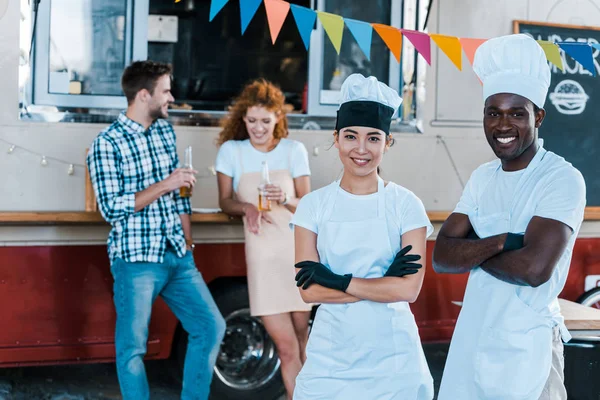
x: 270, y: 253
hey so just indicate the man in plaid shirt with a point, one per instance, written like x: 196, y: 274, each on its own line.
x: 135, y: 172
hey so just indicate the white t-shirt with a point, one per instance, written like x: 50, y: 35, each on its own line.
x: 288, y: 154
x: 554, y: 190
x: 404, y: 210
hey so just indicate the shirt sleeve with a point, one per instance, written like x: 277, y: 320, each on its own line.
x: 106, y: 174
x: 468, y: 200
x: 299, y: 161
x: 563, y: 199
x: 412, y: 215
x: 226, y: 159
x: 183, y: 205
x: 306, y: 213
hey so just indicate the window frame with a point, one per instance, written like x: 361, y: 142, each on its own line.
x: 315, y: 63
x: 136, y: 48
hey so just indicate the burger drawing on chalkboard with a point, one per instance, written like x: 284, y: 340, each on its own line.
x: 569, y: 98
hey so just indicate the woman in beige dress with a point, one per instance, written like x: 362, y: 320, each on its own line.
x: 255, y: 131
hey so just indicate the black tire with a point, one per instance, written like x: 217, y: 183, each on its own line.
x: 264, y: 382
x: 590, y: 298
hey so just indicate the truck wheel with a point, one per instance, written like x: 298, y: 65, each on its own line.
x: 591, y: 298
x: 247, y: 365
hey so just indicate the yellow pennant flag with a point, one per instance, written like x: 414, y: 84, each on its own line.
x: 552, y: 53
x: 450, y: 45
x: 334, y: 26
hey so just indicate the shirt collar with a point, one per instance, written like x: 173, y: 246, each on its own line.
x: 130, y: 125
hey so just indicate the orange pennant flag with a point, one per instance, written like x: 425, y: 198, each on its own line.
x: 392, y: 38
x: 277, y: 11
x: 450, y: 45
x: 470, y: 46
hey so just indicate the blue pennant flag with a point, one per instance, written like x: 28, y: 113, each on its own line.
x: 580, y: 52
x: 247, y: 10
x: 215, y: 7
x: 363, y: 33
x: 305, y: 20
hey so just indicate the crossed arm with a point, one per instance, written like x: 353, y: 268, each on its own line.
x: 532, y: 265
x: 383, y: 290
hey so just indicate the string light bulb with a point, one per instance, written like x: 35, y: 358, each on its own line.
x: 44, y: 160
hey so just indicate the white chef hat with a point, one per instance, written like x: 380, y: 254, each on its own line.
x: 513, y: 64
x: 367, y: 102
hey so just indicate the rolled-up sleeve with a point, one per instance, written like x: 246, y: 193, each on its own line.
x: 105, y: 170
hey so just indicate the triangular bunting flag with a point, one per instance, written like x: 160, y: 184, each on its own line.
x: 363, y: 33
x: 215, y: 7
x: 247, y: 10
x: 596, y: 45
x: 450, y: 45
x: 334, y: 26
x: 580, y: 52
x: 470, y: 46
x: 552, y: 53
x: 277, y: 11
x: 305, y: 21
x: 392, y: 38
x: 421, y: 41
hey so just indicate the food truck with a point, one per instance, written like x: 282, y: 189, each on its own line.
x: 60, y: 68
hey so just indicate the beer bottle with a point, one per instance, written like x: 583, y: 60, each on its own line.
x: 185, y: 191
x: 264, y: 204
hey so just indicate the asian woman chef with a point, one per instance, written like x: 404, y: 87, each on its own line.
x: 357, y: 241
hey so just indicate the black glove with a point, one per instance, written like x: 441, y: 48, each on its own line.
x: 514, y: 241
x: 314, y: 272
x: 403, y: 263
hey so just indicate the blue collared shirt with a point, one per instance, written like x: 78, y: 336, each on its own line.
x: 125, y: 159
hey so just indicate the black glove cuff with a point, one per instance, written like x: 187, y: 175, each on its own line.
x: 346, y: 282
x: 513, y: 241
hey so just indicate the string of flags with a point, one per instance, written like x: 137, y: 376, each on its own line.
x: 362, y: 32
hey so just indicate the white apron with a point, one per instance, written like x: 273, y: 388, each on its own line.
x: 501, y: 348
x: 363, y: 350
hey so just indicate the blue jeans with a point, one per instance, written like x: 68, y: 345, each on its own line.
x: 180, y: 284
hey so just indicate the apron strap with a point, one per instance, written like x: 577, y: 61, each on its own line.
x: 524, y: 179
x: 329, y: 201
x: 380, y: 198
x: 331, y: 196
x: 290, y: 155
x: 240, y: 156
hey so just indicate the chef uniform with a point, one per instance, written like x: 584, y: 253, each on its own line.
x: 364, y: 350
x: 507, y: 344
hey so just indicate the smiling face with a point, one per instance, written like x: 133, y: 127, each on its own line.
x: 361, y: 149
x: 260, y: 124
x: 160, y: 98
x: 510, y: 122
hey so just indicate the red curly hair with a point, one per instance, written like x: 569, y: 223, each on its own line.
x: 260, y: 93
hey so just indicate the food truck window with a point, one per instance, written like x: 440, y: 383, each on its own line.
x: 212, y: 61
x: 329, y: 69
x: 81, y: 48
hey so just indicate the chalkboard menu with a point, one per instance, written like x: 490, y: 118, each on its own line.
x: 572, y: 125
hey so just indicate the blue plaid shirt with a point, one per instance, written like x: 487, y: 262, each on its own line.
x: 123, y: 160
